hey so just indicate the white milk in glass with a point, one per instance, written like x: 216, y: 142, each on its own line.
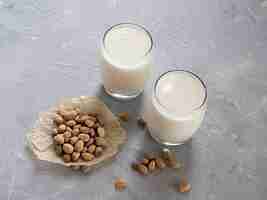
x: 126, y: 56
x: 177, y: 107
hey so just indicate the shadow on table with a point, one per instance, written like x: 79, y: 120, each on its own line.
x: 133, y: 107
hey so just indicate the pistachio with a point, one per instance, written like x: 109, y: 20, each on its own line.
x: 59, y: 139
x: 89, y: 123
x: 68, y: 148
x: 88, y: 156
x: 84, y: 137
x: 79, y: 146
x: 75, y: 156
x: 91, y: 148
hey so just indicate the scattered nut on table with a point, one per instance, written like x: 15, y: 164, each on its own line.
x: 184, y: 186
x: 120, y: 184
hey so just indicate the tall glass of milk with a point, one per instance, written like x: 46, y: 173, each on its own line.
x: 177, y: 107
x: 125, y: 60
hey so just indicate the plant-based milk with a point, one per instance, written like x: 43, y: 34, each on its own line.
x: 126, y: 60
x: 177, y: 107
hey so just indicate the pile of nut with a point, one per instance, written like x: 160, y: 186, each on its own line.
x: 78, y: 136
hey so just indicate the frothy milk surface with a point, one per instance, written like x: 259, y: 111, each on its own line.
x: 127, y: 45
x: 180, y: 92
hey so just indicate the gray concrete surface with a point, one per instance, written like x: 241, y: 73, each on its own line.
x: 48, y: 49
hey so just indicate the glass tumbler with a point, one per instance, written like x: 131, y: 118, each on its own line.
x: 176, y: 108
x: 125, y: 60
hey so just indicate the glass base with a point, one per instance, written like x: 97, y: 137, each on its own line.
x: 168, y: 143
x: 120, y: 96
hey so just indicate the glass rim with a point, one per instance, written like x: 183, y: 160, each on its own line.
x: 186, y: 71
x: 133, y: 25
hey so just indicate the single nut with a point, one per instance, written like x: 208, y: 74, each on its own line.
x: 84, y: 137
x: 67, y: 134
x: 91, y: 141
x: 100, y: 141
x: 75, y: 131
x: 74, y: 139
x: 77, y: 126
x: 75, y: 156
x: 58, y: 149
x: 124, y: 116
x: 101, y: 132
x: 145, y: 161
x: 120, y: 184
x: 89, y: 123
x: 71, y: 123
x: 68, y: 148
x: 62, y: 128
x: 66, y: 158
x: 58, y: 119
x: 184, y: 186
x: 152, y: 166
x: 85, y: 129
x: 79, y: 146
x: 142, y: 169
x: 160, y: 163
x: 59, y: 139
x: 92, y: 132
x: 98, y: 151
x: 91, y: 148
x: 88, y: 156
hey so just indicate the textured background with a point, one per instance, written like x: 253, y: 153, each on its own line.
x: 48, y: 49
